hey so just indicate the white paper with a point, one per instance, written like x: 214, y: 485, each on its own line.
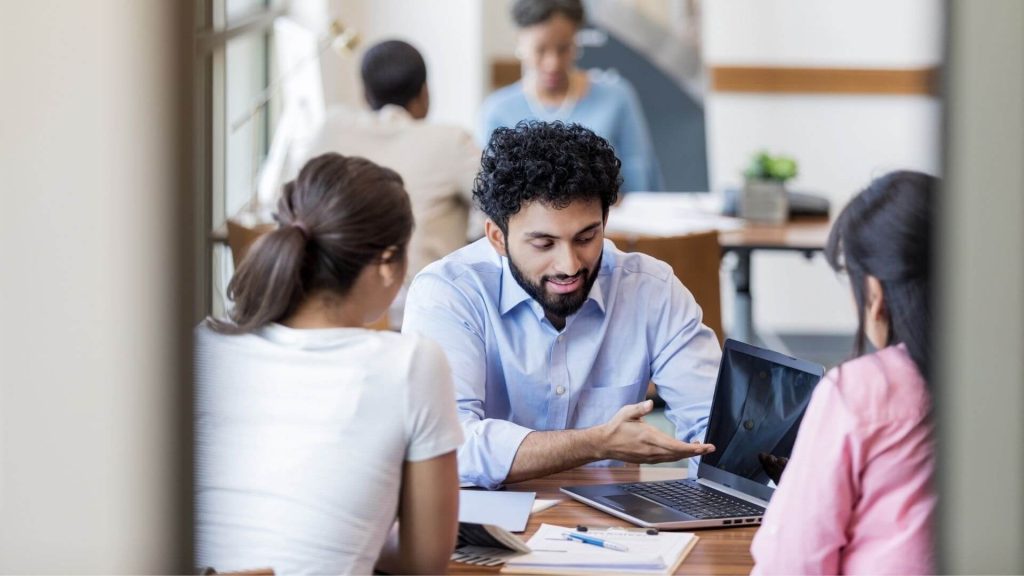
x: 652, y: 554
x: 540, y: 505
x: 669, y: 214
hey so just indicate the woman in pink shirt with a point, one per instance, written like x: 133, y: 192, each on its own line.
x: 857, y: 494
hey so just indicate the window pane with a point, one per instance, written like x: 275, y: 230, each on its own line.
x: 223, y: 268
x: 245, y: 80
x: 247, y: 130
x: 236, y: 9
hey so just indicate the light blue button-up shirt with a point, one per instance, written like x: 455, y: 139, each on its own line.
x: 515, y: 373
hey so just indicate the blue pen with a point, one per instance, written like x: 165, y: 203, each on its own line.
x: 594, y: 541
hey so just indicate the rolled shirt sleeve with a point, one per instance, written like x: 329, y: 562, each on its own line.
x: 441, y: 312
x: 685, y: 363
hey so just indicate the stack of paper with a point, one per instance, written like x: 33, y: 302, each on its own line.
x: 669, y: 214
x: 552, y: 553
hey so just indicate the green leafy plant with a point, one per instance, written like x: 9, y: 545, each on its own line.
x: 764, y: 166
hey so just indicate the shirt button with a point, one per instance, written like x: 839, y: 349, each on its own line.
x: 560, y: 390
x: 560, y: 337
x: 748, y: 424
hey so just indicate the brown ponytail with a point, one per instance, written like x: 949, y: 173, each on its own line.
x: 338, y: 216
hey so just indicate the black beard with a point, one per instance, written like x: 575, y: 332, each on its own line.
x: 558, y: 305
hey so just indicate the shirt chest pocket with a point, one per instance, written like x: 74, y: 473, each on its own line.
x: 597, y: 405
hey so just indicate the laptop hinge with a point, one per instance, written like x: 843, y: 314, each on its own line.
x: 733, y: 492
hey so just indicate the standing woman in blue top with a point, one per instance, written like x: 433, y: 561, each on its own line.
x: 553, y: 88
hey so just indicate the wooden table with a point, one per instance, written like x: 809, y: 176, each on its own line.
x: 718, y: 551
x: 801, y: 234
x: 798, y: 234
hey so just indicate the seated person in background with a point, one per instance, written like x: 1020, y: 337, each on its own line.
x: 436, y: 162
x: 311, y: 432
x: 552, y: 88
x: 552, y: 333
x: 857, y: 495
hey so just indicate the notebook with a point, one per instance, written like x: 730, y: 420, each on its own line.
x: 486, y: 522
x: 759, y: 401
x: 485, y: 535
x: 486, y: 545
x: 509, y: 510
x: 552, y: 553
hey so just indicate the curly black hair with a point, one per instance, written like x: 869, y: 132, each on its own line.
x: 548, y: 162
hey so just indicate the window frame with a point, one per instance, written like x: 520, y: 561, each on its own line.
x: 213, y: 32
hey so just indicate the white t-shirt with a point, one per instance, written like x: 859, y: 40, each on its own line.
x: 300, y: 440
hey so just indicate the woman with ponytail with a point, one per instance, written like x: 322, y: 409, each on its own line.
x: 857, y: 495
x: 313, y: 434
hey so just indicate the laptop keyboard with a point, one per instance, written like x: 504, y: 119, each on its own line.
x: 695, y: 499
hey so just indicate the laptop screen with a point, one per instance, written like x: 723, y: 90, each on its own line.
x: 759, y: 401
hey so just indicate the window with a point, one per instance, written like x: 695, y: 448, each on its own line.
x: 235, y: 67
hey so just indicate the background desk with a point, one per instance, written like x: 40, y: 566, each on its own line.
x: 719, y: 551
x: 801, y: 234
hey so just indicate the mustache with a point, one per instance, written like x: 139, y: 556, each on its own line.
x: 583, y: 273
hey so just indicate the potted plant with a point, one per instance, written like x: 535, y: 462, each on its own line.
x: 764, y: 196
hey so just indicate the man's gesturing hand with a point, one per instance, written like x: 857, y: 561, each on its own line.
x: 628, y: 438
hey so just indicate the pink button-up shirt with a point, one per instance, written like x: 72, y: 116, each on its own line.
x: 857, y: 495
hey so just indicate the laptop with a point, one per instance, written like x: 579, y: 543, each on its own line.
x: 760, y: 398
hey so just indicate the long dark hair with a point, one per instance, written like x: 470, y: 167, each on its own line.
x: 886, y: 232
x: 339, y: 215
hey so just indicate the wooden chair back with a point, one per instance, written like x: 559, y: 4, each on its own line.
x: 695, y: 259
x: 242, y: 237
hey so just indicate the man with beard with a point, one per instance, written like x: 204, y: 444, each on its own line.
x: 552, y: 333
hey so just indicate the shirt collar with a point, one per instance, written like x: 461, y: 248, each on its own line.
x: 512, y: 294
x: 393, y: 113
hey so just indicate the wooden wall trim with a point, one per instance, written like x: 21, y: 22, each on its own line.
x: 789, y: 80
x: 921, y: 81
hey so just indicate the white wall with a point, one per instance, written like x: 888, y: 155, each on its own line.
x: 313, y: 14
x: 499, y: 31
x: 447, y: 32
x: 839, y: 33
x: 92, y: 178
x: 840, y: 141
